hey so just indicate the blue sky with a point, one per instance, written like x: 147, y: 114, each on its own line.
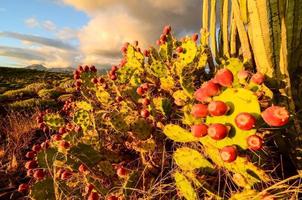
x: 63, y: 33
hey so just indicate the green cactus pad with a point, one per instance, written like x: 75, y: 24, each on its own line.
x: 241, y: 165
x: 189, y: 54
x: 158, y: 68
x: 163, y: 104
x: 54, y: 120
x: 186, y: 79
x: 184, y: 186
x: 83, y: 118
x: 135, y: 59
x: 103, y: 97
x: 130, y: 183
x: 180, y: 98
x: 240, y: 100
x: 141, y: 129
x: 85, y: 154
x: 167, y: 83
x: 166, y: 49
x: 190, y: 159
x: 118, y: 122
x: 47, y: 157
x: 83, y: 105
x: 39, y: 192
x: 178, y: 134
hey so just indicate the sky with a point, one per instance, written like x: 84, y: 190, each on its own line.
x: 66, y: 33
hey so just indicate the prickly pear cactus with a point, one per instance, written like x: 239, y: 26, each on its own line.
x: 115, y: 140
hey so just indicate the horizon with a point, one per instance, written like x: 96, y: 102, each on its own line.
x: 66, y: 33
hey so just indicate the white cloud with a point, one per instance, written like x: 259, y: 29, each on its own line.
x: 67, y: 33
x: 32, y: 22
x: 49, y: 25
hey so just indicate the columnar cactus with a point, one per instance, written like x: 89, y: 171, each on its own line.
x: 108, y: 143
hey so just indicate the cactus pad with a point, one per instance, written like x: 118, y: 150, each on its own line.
x: 184, y: 186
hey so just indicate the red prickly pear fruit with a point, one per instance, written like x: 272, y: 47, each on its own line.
x: 258, y: 78
x: 145, y: 86
x: 45, y: 145
x: 113, y: 77
x: 57, y: 137
x: 30, y: 154
x: 76, y: 76
x: 121, y: 172
x: 218, y: 131
x: 23, y: 188
x: 145, y: 113
x: 200, y: 130
x: 77, y: 128
x: 64, y: 144
x: 41, y: 125
x: 114, y: 68
x: 140, y: 91
x: 82, y: 168
x: 167, y: 29
x: 36, y: 147
x: 211, y: 88
x: 146, y: 53
x: 243, y: 74
x: 40, y: 120
x: 66, y: 175
x: 93, y: 196
x: 30, y: 172
x: 62, y: 130
x: 93, y: 69
x: 123, y: 62
x: 94, y: 80
x: 275, y: 116
x: 86, y: 68
x: 195, y: 37
x: 39, y: 174
x: 224, y: 77
x: 201, y: 95
x: 78, y: 83
x: 112, y: 197
x: 124, y: 50
x: 76, y: 72
x: 254, y: 142
x: 119, y: 98
x: 145, y: 102
x: 179, y: 49
x: 81, y: 69
x: 89, y: 188
x: 31, y: 164
x: 163, y: 37
x: 217, y: 108
x: 158, y: 42
x: 245, y: 121
x: 228, y: 153
x: 199, y: 110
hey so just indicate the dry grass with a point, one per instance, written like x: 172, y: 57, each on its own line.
x: 16, y: 133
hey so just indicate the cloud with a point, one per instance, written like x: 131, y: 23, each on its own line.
x: 49, y: 25
x: 67, y: 33
x: 38, y: 40
x: 20, y: 53
x: 113, y: 22
x: 32, y: 22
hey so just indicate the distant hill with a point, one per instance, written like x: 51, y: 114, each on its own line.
x: 40, y: 67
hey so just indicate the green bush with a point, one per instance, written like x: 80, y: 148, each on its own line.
x: 50, y: 93
x: 19, y: 94
x: 36, y: 87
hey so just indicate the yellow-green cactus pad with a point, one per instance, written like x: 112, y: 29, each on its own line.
x: 241, y: 165
x: 167, y: 83
x: 240, y: 100
x: 234, y: 65
x: 39, y: 192
x: 247, y: 194
x: 83, y: 105
x: 178, y: 134
x: 54, y: 120
x: 190, y: 159
x: 184, y: 186
x: 188, y: 118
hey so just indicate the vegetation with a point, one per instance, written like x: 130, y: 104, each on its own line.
x: 203, y: 117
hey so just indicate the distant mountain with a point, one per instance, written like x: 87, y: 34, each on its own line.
x: 40, y: 67
x: 37, y: 67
